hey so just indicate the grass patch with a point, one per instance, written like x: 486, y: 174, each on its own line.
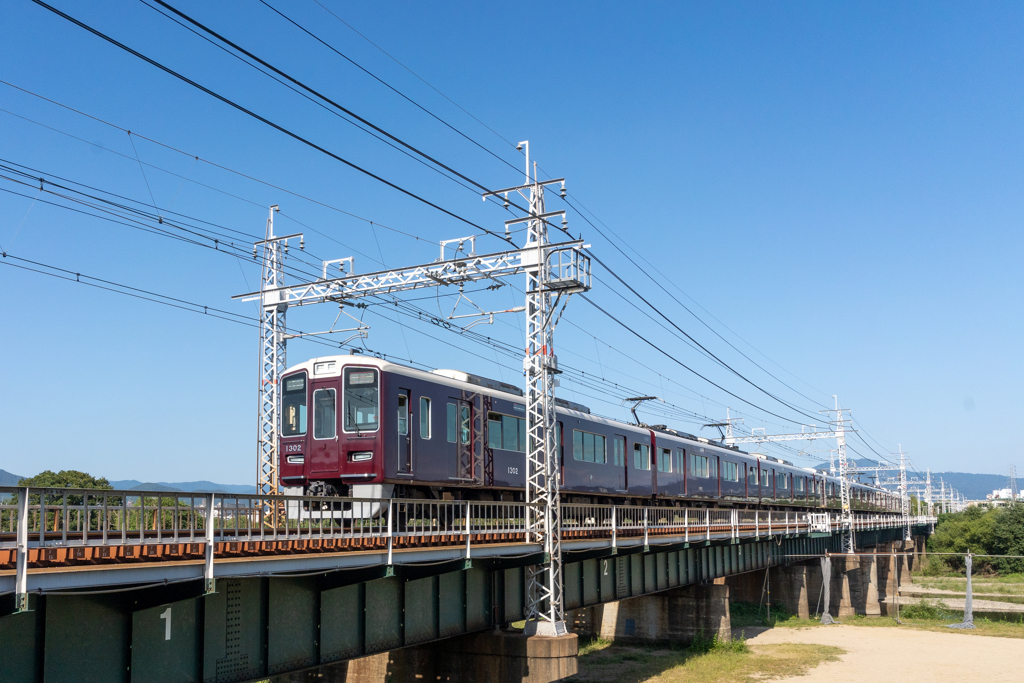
x: 1012, y: 584
x: 926, y: 610
x: 709, y: 660
x: 747, y: 614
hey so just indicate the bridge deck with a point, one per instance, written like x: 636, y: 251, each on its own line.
x: 77, y: 538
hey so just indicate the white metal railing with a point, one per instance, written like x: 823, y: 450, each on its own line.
x: 32, y: 518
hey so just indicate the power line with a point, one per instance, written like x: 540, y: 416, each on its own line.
x: 198, y: 158
x: 266, y: 121
x: 420, y: 78
x: 383, y: 82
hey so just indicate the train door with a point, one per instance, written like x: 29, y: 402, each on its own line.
x: 680, y: 469
x: 404, y: 445
x: 464, y: 461
x: 324, y: 448
x: 619, y: 463
x: 684, y: 468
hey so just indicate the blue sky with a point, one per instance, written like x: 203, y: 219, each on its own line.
x: 833, y: 188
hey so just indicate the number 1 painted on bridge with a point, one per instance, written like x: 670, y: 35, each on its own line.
x: 167, y: 627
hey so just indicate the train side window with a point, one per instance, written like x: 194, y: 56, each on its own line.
x: 403, y: 414
x: 731, y: 471
x: 782, y: 480
x: 513, y: 437
x: 453, y: 423
x: 325, y: 414
x: 294, y: 406
x: 664, y: 460
x: 506, y: 432
x: 424, y: 417
x: 798, y: 484
x: 493, y: 430
x: 619, y: 450
x: 699, y: 466
x: 713, y: 467
x: 641, y: 456
x: 753, y: 476
x: 764, y: 478
x: 680, y: 460
x: 588, y: 447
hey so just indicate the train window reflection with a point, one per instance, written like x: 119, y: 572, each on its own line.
x: 361, y: 400
x: 424, y: 417
x: 293, y: 406
x: 453, y: 423
x: 464, y: 428
x: 641, y: 456
x: 325, y: 416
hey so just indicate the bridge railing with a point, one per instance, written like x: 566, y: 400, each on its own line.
x: 52, y: 518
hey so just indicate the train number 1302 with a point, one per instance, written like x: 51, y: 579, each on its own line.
x: 513, y: 470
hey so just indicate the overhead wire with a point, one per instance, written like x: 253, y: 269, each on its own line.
x: 280, y: 128
x: 268, y: 122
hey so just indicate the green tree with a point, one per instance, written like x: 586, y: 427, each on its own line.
x: 983, y: 531
x: 1008, y: 538
x: 72, y: 479
x: 56, y: 516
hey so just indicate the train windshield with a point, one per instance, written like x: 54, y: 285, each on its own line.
x: 293, y: 421
x: 362, y: 400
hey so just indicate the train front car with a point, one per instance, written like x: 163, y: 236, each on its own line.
x: 331, y: 424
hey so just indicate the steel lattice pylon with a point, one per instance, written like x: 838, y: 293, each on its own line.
x: 544, y: 584
x: 844, y: 480
x: 272, y: 357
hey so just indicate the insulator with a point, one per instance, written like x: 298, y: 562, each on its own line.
x: 561, y: 193
x: 506, y: 203
x: 302, y: 243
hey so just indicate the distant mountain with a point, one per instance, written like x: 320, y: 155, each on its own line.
x: 973, y: 486
x: 8, y: 479
x: 197, y: 486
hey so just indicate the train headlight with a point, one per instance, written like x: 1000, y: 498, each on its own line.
x: 361, y: 456
x: 296, y: 459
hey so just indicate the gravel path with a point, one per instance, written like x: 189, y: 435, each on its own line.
x: 894, y: 653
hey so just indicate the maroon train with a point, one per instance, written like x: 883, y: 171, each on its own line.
x: 364, y: 427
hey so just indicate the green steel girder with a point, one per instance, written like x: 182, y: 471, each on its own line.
x: 252, y: 628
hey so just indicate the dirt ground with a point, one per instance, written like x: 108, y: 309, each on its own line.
x: 885, y: 653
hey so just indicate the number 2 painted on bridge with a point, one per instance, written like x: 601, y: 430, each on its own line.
x: 166, y: 614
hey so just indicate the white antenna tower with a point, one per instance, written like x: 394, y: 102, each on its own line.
x: 1013, y: 482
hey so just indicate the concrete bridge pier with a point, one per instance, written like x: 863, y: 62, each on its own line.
x: 679, y: 616
x: 499, y: 656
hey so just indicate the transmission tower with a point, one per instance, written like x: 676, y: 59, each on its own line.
x: 1013, y: 482
x: 904, y: 497
x: 272, y: 353
x: 839, y: 427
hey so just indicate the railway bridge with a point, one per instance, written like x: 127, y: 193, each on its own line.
x: 115, y: 586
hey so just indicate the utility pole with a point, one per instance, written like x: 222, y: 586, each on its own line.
x: 544, y: 582
x: 904, y: 498
x: 839, y: 427
x: 273, y: 355
x: 928, y: 492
